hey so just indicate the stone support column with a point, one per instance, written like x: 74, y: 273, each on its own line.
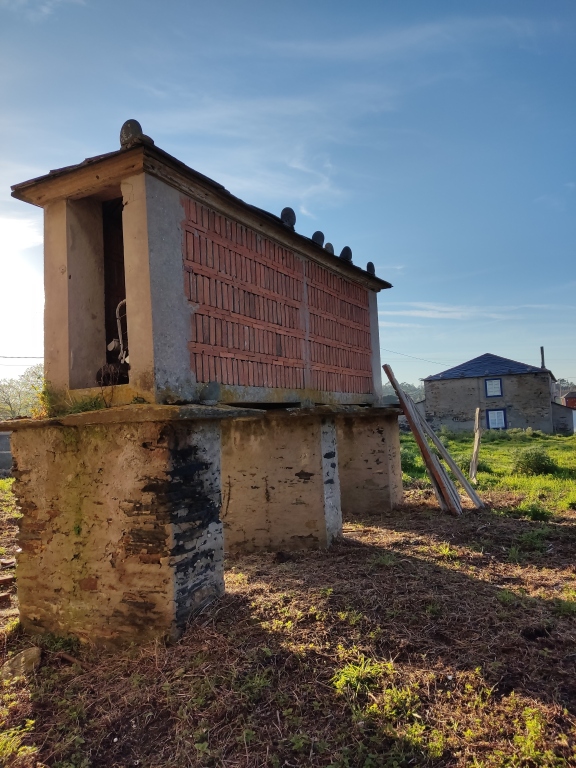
x: 121, y: 536
x: 280, y: 483
x: 369, y: 462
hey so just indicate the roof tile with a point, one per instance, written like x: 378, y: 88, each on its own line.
x: 485, y: 365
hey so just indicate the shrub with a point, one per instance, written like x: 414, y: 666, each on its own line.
x: 533, y: 541
x: 525, y: 435
x: 445, y: 433
x: 463, y: 462
x: 534, y: 461
x: 409, y: 460
x: 535, y: 511
x: 495, y: 435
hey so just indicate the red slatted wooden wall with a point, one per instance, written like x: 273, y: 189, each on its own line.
x: 266, y: 317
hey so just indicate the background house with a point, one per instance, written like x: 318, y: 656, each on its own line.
x: 509, y: 394
x: 569, y: 399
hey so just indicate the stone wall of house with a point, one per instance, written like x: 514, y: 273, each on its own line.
x: 526, y: 398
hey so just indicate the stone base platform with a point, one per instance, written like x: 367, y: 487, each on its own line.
x: 126, y: 511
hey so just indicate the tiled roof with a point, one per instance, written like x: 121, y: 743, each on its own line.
x: 485, y: 365
x: 18, y: 191
x: 570, y: 394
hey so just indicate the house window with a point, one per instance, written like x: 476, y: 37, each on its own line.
x: 493, y: 387
x: 496, y: 419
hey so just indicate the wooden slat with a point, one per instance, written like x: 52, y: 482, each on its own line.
x: 476, y: 449
x: 478, y: 503
x: 444, y: 483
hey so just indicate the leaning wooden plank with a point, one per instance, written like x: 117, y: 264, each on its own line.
x: 478, y: 503
x: 455, y: 503
x: 442, y: 480
x: 476, y: 449
x: 437, y: 492
x: 448, y: 489
x: 434, y: 469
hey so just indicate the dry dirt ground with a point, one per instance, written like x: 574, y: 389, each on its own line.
x: 418, y: 640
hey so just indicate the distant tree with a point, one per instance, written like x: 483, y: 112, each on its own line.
x: 20, y: 397
x: 565, y: 386
x: 416, y: 391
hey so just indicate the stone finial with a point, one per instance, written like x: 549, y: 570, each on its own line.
x: 288, y: 217
x: 346, y: 253
x: 370, y: 268
x: 318, y: 238
x: 131, y: 134
x: 329, y: 247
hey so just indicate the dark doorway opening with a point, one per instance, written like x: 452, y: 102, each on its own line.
x: 114, y: 295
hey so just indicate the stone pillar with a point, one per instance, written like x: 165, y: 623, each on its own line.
x: 369, y: 461
x: 280, y: 487
x: 120, y: 535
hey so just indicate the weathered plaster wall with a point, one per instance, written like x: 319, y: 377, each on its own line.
x: 375, y: 344
x: 138, y: 290
x: 274, y: 480
x: 171, y: 311
x: 120, y: 532
x: 526, y: 398
x: 564, y: 419
x: 369, y: 462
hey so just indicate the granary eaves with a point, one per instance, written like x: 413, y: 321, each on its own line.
x: 146, y: 157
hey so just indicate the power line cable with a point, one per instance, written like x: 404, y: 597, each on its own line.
x: 412, y: 356
x: 21, y: 357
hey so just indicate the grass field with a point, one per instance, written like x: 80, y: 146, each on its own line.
x: 418, y: 640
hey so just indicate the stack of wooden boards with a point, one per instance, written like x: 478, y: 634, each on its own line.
x: 445, y: 490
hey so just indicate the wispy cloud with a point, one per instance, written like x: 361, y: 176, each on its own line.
x: 36, y: 10
x: 551, y: 202
x: 416, y: 39
x: 436, y: 311
x: 439, y: 311
x: 384, y: 324
x: 277, y: 147
x: 305, y: 212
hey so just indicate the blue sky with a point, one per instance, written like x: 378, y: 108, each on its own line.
x: 435, y: 139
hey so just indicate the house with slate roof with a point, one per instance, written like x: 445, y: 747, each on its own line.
x: 510, y: 395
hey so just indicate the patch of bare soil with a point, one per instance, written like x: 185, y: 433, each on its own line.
x: 418, y: 640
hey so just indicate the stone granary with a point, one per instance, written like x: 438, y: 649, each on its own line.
x: 510, y: 395
x: 239, y: 363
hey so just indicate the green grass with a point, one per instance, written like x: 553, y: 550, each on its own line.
x: 505, y: 455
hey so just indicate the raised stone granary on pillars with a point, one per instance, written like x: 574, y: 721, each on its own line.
x: 239, y: 363
x: 217, y: 291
